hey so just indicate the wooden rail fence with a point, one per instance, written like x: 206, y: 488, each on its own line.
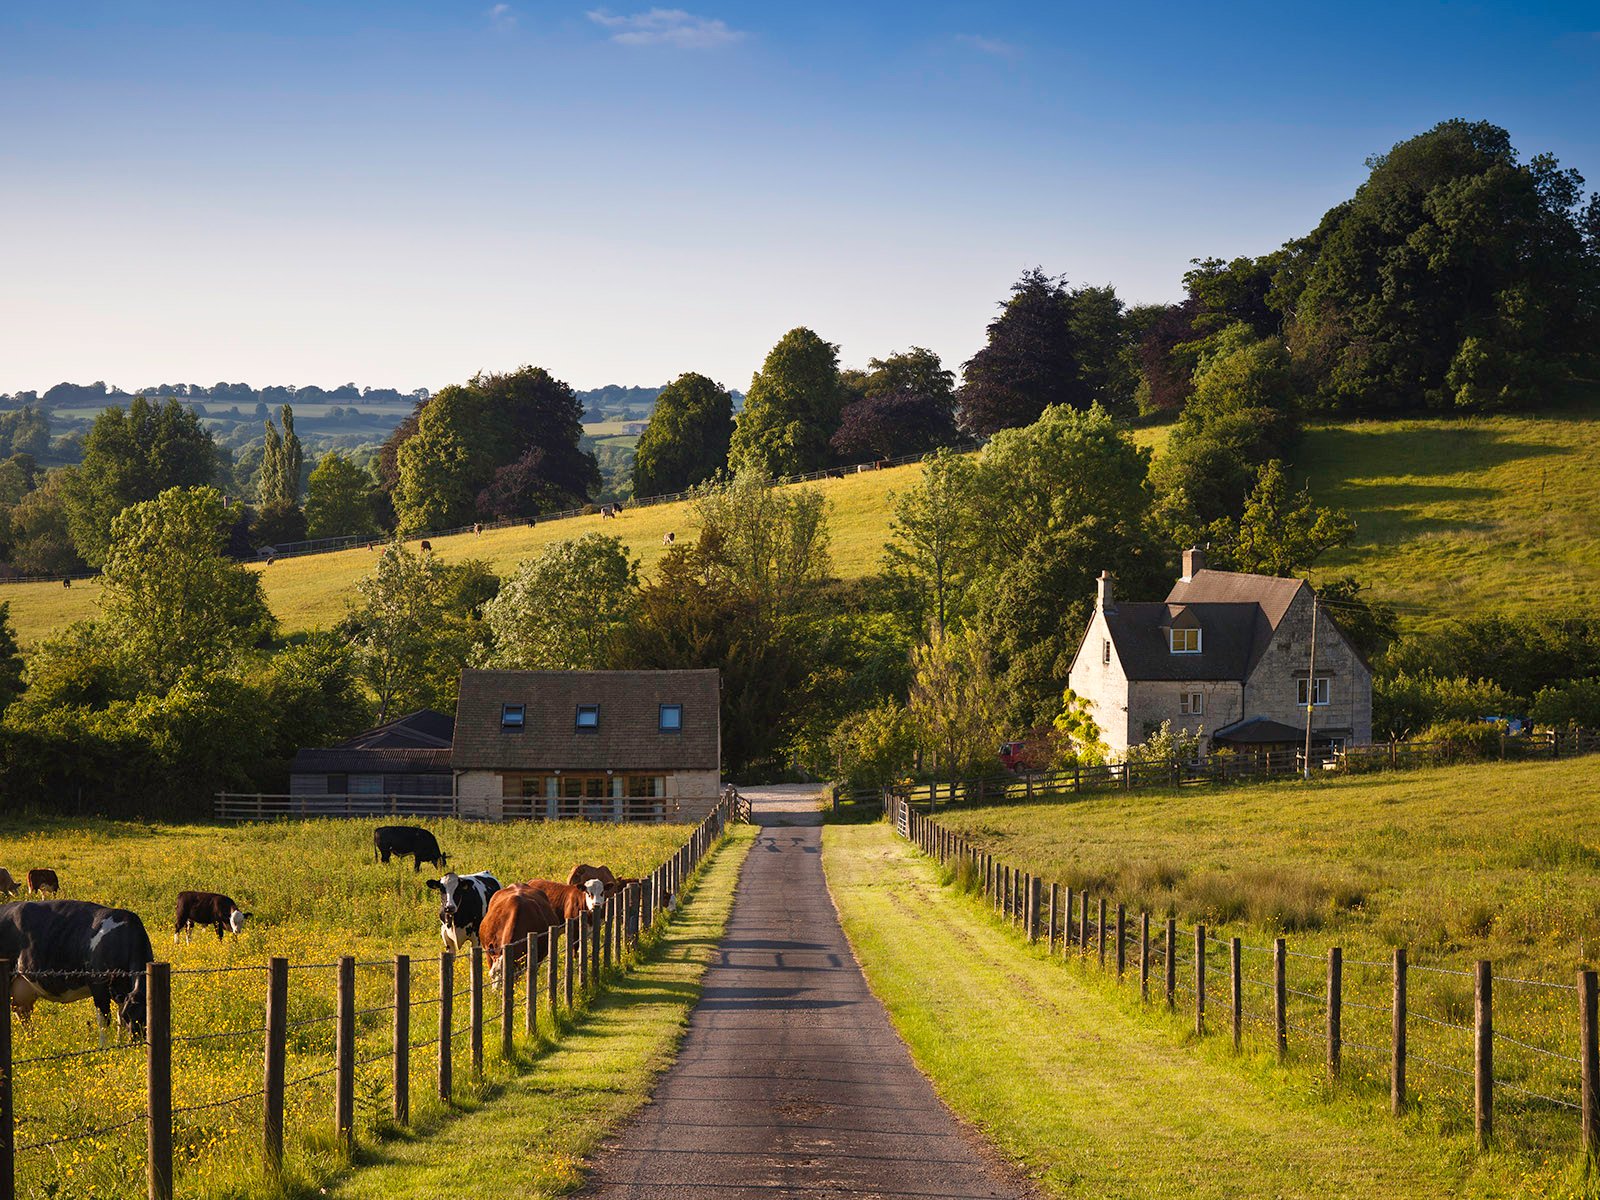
x: 1044, y: 913
x: 584, y: 955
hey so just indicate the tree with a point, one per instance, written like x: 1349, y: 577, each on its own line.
x: 565, y: 610
x: 280, y: 524
x: 314, y: 692
x: 770, y: 542
x: 914, y: 372
x: 1458, y: 276
x: 1574, y: 703
x: 41, y: 533
x: 339, y: 499
x: 1028, y: 364
x: 281, y: 462
x: 686, y: 441
x: 130, y: 456
x: 892, y: 425
x: 10, y: 659
x: 435, y: 488
x: 791, y: 409
x: 1164, y: 372
x: 874, y: 747
x: 956, y: 705
x: 170, y: 602
x: 930, y: 556
x: 1368, y: 625
x: 1283, y: 533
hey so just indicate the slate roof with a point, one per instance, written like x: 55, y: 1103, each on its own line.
x: 425, y: 729
x: 1269, y: 595
x: 628, y: 738
x: 353, y: 760
x: 1259, y: 731
x: 1227, y: 635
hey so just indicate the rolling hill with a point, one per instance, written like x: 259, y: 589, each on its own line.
x: 1452, y: 515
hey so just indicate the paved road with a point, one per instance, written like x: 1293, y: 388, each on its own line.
x: 791, y: 1081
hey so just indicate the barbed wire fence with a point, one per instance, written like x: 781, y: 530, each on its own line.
x: 1360, y: 1016
x: 340, y: 1018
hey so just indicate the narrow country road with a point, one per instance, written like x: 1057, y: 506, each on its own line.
x: 791, y: 1080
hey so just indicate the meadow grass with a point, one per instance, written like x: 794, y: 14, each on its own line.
x: 1094, y: 1094
x: 1458, y: 864
x: 315, y: 894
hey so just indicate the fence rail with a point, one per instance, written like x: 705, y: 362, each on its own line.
x: 593, y: 949
x: 1308, y: 999
x: 1223, y: 769
x: 267, y: 806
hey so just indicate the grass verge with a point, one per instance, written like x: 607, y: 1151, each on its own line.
x: 1095, y: 1095
x: 533, y: 1128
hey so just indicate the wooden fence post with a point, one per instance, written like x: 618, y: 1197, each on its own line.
x: 8, y: 1158
x: 1100, y: 932
x: 1589, y: 1043
x: 402, y: 1039
x: 509, y: 953
x: 531, y: 1017
x: 568, y: 951
x: 1397, y: 1062
x: 584, y: 924
x: 447, y: 991
x: 1236, y: 990
x: 475, y: 1007
x: 1066, y: 928
x: 1483, y: 1051
x: 1083, y: 927
x: 344, y: 1055
x: 1280, y: 996
x: 1122, y: 940
x: 1055, y: 917
x: 158, y: 1049
x: 1172, y: 964
x: 1144, y: 955
x: 277, y: 1041
x: 1033, y: 908
x: 1335, y: 1008
x: 1200, y: 979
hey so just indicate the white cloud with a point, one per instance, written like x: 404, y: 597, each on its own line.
x: 989, y: 45
x: 502, y: 16
x: 667, y: 27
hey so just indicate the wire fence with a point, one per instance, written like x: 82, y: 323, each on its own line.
x: 1528, y: 1048
x: 320, y: 1037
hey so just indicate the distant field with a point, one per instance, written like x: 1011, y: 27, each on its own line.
x: 315, y: 893
x: 1451, y: 516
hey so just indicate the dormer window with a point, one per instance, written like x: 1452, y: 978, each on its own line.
x: 588, y: 719
x: 512, y: 717
x: 671, y: 720
x: 1185, y: 641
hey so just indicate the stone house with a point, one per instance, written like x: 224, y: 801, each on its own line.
x: 592, y: 745
x: 1228, y: 655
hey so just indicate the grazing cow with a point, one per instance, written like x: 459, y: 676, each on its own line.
x: 207, y: 908
x: 427, y: 545
x: 407, y: 839
x: 8, y: 885
x: 66, y: 581
x: 570, y: 900
x: 607, y: 512
x: 513, y: 914
x: 583, y: 872
x: 669, y: 537
x: 42, y: 880
x: 463, y: 901
x: 66, y: 950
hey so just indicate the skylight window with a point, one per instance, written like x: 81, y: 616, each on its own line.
x: 512, y: 716
x: 588, y: 720
x: 672, y: 718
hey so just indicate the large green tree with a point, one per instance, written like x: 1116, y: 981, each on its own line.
x: 933, y: 546
x: 686, y: 441
x: 282, y: 458
x: 566, y: 609
x: 339, y: 499
x: 131, y: 455
x: 791, y: 409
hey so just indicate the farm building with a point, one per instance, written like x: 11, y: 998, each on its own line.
x: 409, y: 756
x: 1227, y: 655
x: 598, y: 745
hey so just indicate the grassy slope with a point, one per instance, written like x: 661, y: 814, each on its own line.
x: 1091, y: 1096
x: 1477, y: 511
x: 531, y: 1139
x: 315, y: 894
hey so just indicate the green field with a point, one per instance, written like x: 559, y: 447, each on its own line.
x: 1475, y: 862
x: 1451, y: 516
x: 315, y: 893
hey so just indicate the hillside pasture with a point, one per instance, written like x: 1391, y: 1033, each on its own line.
x: 315, y: 894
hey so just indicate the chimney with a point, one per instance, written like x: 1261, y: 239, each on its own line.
x: 1104, y: 599
x: 1194, y: 559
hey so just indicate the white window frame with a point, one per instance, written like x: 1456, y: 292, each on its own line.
x: 1323, y: 691
x: 1172, y: 640
x: 1105, y: 652
x: 1192, y: 704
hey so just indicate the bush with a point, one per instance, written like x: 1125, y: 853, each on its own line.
x: 874, y: 747
x: 1405, y: 703
x: 1463, y: 741
x: 1574, y: 703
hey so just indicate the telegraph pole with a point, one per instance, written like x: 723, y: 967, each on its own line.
x: 1311, y: 683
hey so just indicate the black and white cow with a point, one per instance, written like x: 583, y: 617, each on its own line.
x: 402, y: 840
x: 463, y: 901
x: 66, y: 950
x: 207, y: 908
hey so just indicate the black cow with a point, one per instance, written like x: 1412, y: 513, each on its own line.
x: 407, y: 839
x: 65, y: 950
x: 463, y: 901
x: 208, y: 908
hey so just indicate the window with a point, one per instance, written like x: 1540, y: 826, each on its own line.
x: 672, y: 718
x: 512, y: 716
x: 1321, y: 696
x: 588, y: 718
x: 1192, y: 703
x: 1105, y: 651
x: 1185, y: 641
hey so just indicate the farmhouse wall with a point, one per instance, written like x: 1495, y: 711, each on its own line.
x: 1152, y: 701
x: 1273, y: 687
x: 479, y: 795
x: 1103, y: 685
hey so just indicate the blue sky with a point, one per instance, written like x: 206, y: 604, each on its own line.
x: 400, y: 194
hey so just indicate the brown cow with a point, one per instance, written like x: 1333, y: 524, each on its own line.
x: 583, y: 872
x: 8, y: 885
x: 570, y: 900
x: 41, y: 880
x: 513, y: 913
x: 208, y: 908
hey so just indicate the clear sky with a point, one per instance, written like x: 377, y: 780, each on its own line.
x: 402, y: 193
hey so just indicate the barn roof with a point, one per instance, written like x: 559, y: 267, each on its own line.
x: 628, y: 735
x: 354, y: 760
